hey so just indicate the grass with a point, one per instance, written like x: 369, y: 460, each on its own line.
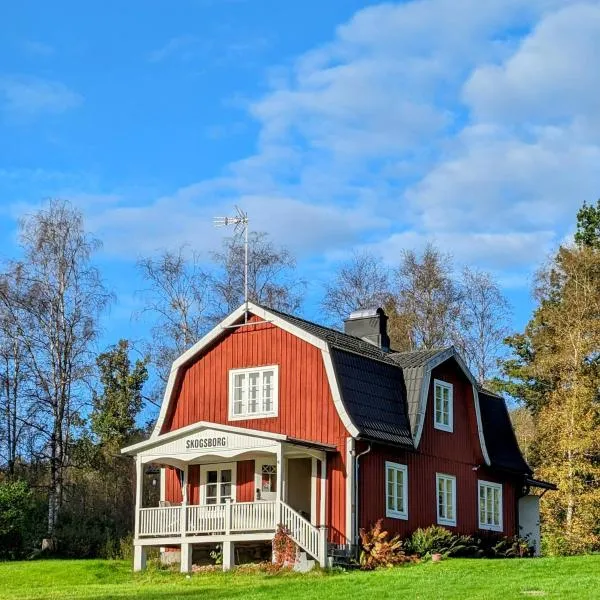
x: 574, y: 577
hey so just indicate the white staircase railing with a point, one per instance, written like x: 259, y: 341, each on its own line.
x: 307, y: 536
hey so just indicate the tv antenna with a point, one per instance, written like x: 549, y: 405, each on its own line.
x: 240, y: 223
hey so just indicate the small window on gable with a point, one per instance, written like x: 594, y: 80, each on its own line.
x: 396, y: 486
x: 490, y: 506
x: 446, y: 499
x: 443, y: 406
x: 253, y: 393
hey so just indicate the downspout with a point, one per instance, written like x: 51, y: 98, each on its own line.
x: 356, y: 493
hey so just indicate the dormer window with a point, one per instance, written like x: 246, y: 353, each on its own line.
x: 443, y: 418
x: 253, y: 393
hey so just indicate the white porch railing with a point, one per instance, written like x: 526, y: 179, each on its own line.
x: 160, y: 521
x: 232, y: 517
x: 302, y: 532
x: 253, y: 516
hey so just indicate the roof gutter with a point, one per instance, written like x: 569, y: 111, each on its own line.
x: 356, y: 494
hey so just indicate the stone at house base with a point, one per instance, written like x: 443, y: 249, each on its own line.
x: 303, y: 563
x: 170, y: 558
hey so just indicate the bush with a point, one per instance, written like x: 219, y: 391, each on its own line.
x: 378, y: 551
x: 16, y: 508
x: 439, y: 540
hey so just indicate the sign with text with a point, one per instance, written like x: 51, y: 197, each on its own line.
x: 206, y: 442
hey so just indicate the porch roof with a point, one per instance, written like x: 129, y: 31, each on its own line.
x: 200, y: 426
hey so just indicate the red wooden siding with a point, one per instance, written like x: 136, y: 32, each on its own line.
x: 172, y: 487
x: 245, y: 481
x: 456, y: 453
x: 422, y: 496
x: 306, y: 409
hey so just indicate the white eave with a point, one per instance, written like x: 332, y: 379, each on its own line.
x: 220, y: 330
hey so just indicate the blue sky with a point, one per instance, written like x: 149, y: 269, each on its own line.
x: 338, y: 125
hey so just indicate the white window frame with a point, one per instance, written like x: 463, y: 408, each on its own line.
x: 204, y: 469
x: 258, y: 465
x: 493, y: 486
x: 397, y: 514
x: 448, y: 386
x: 441, y: 519
x: 245, y: 416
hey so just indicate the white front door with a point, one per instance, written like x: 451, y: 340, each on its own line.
x: 217, y: 483
x: 266, y: 479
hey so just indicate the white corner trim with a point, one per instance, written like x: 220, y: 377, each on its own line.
x: 215, y: 333
x: 337, y: 397
x: 436, y: 361
x: 350, y: 490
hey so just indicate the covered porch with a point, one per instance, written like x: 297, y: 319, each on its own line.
x: 223, y: 484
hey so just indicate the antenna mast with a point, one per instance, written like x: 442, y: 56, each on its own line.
x: 240, y: 222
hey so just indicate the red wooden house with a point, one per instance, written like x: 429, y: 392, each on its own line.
x: 273, y: 419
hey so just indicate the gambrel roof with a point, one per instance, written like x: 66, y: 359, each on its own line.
x: 380, y: 396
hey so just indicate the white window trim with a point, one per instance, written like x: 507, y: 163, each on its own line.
x: 396, y: 514
x: 217, y: 467
x: 450, y: 388
x: 498, y: 486
x: 259, y: 415
x: 441, y: 520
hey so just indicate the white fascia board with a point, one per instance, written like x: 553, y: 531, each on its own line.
x: 214, y: 334
x: 335, y: 393
x: 200, y: 425
x: 434, y: 362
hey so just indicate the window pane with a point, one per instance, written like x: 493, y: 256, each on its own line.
x: 253, y: 392
x: 267, y: 391
x: 211, y: 477
x: 225, y: 475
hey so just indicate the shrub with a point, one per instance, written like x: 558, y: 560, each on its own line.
x: 378, y: 550
x: 285, y: 550
x: 16, y: 507
x: 439, y: 540
x: 510, y: 547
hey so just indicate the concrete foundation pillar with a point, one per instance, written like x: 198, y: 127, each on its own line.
x: 228, y: 555
x: 139, y: 557
x: 186, y: 558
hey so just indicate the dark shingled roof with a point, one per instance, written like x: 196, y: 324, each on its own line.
x: 381, y: 391
x: 502, y: 446
x: 371, y: 384
x: 374, y: 395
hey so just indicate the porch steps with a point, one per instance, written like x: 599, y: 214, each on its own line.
x: 343, y: 557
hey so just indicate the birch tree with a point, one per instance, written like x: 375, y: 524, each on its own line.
x: 361, y: 282
x: 177, y: 297
x: 55, y: 316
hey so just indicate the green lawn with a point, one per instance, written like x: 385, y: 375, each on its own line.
x: 465, y: 579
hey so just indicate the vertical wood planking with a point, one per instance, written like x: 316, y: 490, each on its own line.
x: 306, y: 409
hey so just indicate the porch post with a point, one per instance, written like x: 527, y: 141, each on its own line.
x: 279, y: 490
x: 184, y: 499
x: 323, y: 490
x: 228, y: 555
x: 313, y: 491
x: 186, y: 557
x: 139, y: 557
x: 139, y: 486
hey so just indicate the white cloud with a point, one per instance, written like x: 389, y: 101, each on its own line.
x: 184, y: 47
x: 37, y: 48
x: 29, y: 97
x: 464, y: 122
